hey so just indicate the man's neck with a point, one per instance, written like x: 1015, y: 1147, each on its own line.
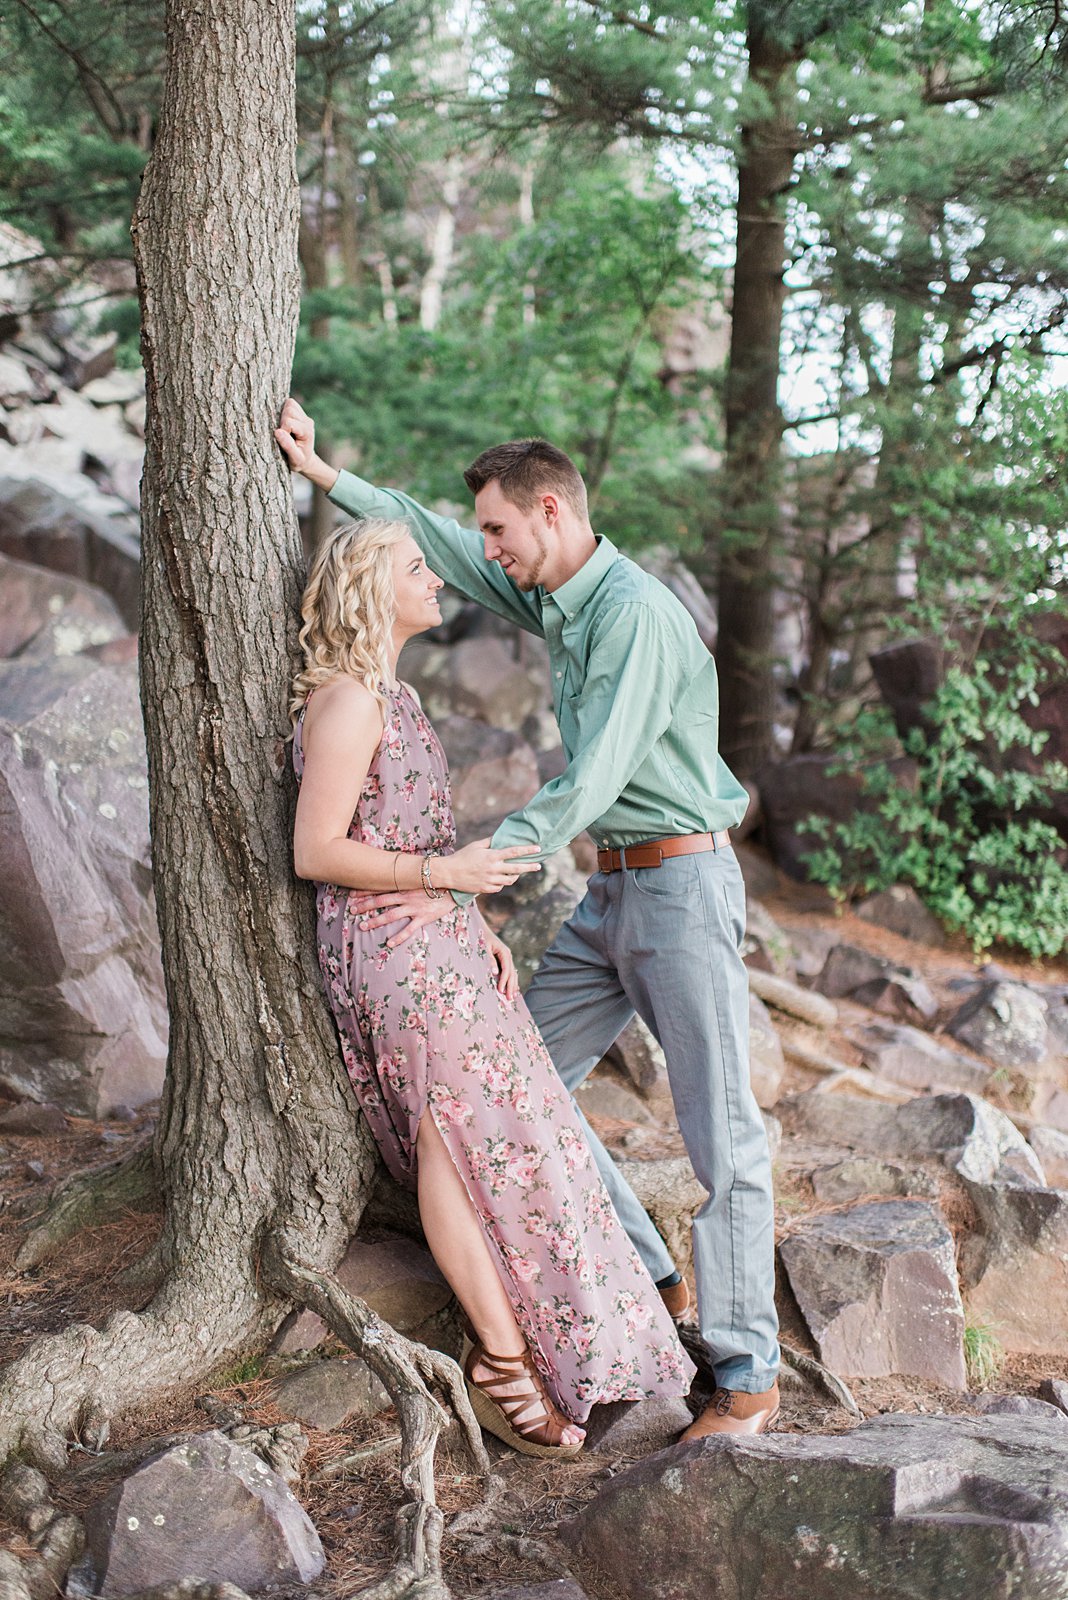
x: 573, y: 559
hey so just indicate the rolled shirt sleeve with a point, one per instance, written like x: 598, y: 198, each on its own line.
x: 455, y: 553
x: 624, y: 706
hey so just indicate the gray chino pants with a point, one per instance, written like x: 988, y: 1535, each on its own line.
x: 664, y: 941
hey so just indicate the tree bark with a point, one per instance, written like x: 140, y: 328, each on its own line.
x: 750, y: 537
x: 264, y: 1162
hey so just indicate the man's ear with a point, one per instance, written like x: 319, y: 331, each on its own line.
x: 550, y: 505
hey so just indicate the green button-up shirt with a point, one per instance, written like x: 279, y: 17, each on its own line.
x: 634, y: 689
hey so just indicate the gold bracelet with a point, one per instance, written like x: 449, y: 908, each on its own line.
x: 396, y: 864
x: 428, y: 882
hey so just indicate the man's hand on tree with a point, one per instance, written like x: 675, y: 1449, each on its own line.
x: 296, y: 438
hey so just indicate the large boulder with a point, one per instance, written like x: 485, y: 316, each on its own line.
x: 800, y: 787
x: 45, y: 614
x: 83, y: 1019
x: 671, y: 1195
x: 492, y: 772
x: 910, y: 671
x: 639, y: 1056
x: 208, y: 1508
x: 912, y: 1058
x: 1005, y: 1022
x: 963, y: 1133
x: 877, y: 1285
x: 396, y: 1277
x: 63, y: 522
x: 901, y: 910
x: 874, y: 982
x: 479, y: 677
x: 901, y: 1508
x: 1014, y: 1268
x: 1051, y: 1147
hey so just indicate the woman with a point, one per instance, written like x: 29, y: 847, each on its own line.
x: 450, y: 1070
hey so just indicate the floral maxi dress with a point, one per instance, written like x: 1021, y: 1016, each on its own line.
x: 424, y: 1028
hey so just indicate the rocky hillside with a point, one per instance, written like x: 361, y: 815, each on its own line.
x: 918, y: 1107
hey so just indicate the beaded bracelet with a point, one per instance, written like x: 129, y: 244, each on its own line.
x: 428, y: 885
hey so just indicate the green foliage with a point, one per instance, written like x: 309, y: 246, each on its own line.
x: 951, y: 826
x: 983, y: 1354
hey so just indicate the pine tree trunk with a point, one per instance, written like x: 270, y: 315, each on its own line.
x: 750, y: 541
x: 257, y: 1127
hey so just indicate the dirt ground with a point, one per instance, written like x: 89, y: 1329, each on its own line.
x: 506, y: 1535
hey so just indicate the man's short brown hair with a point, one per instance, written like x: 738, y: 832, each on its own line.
x: 526, y: 469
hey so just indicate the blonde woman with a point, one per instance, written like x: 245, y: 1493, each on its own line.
x: 451, y: 1072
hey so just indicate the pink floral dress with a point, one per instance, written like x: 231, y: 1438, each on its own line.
x: 424, y: 1028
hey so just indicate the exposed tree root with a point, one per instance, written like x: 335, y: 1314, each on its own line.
x: 69, y: 1385
x: 86, y: 1199
x: 410, y: 1372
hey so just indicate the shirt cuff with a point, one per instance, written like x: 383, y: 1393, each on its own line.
x: 461, y: 897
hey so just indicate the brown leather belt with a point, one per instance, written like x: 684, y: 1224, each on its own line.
x: 655, y: 851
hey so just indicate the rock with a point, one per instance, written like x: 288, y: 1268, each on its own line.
x: 207, y: 1508
x: 603, y: 1097
x: 83, y: 1020
x: 530, y: 931
x: 493, y: 772
x: 47, y: 520
x: 1006, y: 1022
x: 877, y: 1286
x: 396, y: 1277
x: 800, y: 787
x: 901, y: 911
x: 1021, y: 1405
x: 479, y: 677
x: 867, y: 1175
x: 881, y: 985
x: 900, y: 1508
x: 639, y: 1057
x: 670, y: 1194
x: 664, y: 563
x: 1049, y: 1105
x: 1055, y: 1392
x: 31, y: 1118
x: 46, y: 614
x: 794, y: 1001
x: 914, y: 1059
x: 121, y: 387
x: 766, y: 1064
x: 766, y: 945
x: 968, y: 1135
x: 1051, y: 1147
x: 325, y: 1394
x: 773, y: 1129
x: 760, y: 874
x: 858, y: 1080
x: 559, y: 875
x: 636, y: 1427
x: 1014, y: 1270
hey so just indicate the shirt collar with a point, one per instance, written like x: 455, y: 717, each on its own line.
x: 572, y: 595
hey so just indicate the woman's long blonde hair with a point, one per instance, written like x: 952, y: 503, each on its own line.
x: 348, y: 608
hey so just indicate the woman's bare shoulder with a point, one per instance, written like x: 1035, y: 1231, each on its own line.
x: 342, y: 702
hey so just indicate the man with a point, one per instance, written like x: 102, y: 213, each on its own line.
x: 658, y: 931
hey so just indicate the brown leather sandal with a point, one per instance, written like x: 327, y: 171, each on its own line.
x: 528, y: 1421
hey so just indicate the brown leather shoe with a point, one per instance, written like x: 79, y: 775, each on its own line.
x: 676, y: 1297
x: 731, y: 1411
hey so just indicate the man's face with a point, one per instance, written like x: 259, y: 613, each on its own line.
x: 518, y: 540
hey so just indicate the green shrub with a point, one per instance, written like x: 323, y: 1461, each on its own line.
x: 957, y: 833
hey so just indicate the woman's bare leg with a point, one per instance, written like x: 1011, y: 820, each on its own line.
x: 458, y: 1245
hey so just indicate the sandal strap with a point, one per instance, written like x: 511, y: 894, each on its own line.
x: 530, y: 1413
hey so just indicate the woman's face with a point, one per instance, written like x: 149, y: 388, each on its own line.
x: 415, y: 588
